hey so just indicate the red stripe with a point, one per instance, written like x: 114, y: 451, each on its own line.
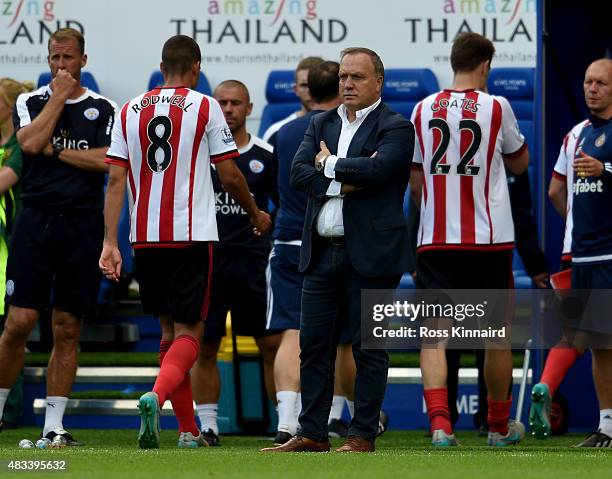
x: 166, y: 211
x: 224, y: 156
x: 466, y: 207
x: 199, y: 133
x: 124, y: 129
x: 559, y: 176
x: 117, y: 162
x: 439, y: 181
x: 419, y: 132
x: 496, y: 117
x: 206, y: 304
x: 146, y: 175
x: 467, y: 247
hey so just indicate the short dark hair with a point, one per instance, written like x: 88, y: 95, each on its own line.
x: 64, y: 34
x: 379, y: 68
x: 235, y: 84
x: 179, y: 54
x: 323, y: 81
x: 470, y: 50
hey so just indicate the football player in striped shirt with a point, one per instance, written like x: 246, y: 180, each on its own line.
x: 163, y: 144
x: 466, y: 233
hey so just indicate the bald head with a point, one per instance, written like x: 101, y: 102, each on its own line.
x: 598, y: 88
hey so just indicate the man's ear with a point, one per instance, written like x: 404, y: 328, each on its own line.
x: 83, y: 60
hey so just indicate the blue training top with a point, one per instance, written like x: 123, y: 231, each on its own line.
x: 592, y: 204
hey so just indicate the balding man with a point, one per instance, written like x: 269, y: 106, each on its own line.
x: 589, y: 168
x: 240, y: 261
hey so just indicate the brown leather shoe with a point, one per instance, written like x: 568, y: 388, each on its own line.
x: 300, y: 444
x: 356, y: 444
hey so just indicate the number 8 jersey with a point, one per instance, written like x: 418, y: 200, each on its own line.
x: 462, y: 140
x: 167, y: 138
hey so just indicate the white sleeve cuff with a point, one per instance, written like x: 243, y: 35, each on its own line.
x: 334, y: 188
x: 330, y: 164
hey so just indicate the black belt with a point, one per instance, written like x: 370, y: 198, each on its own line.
x: 334, y: 240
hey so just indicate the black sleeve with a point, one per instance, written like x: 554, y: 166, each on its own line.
x: 105, y: 125
x: 525, y: 228
x: 394, y: 150
x: 413, y: 226
x: 304, y: 177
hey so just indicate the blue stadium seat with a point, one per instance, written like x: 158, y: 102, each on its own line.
x: 203, y: 86
x: 281, y: 98
x: 517, y: 85
x: 87, y: 80
x: 405, y: 87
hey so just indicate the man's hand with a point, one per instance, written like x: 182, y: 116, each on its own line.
x: 323, y: 153
x: 48, y: 150
x: 110, y: 261
x: 63, y: 84
x: 541, y: 280
x: 586, y: 166
x: 261, y: 223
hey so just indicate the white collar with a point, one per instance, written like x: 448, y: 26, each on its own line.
x: 360, y: 115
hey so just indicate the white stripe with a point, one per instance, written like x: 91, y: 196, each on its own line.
x: 269, y: 294
x: 291, y: 243
x: 588, y: 259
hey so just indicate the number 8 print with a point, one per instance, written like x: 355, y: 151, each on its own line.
x: 159, y: 131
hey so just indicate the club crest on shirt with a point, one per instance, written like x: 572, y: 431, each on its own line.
x: 256, y: 166
x: 227, y: 137
x: 91, y: 114
x: 600, y: 140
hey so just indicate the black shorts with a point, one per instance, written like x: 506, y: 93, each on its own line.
x: 238, y: 287
x: 54, y: 260
x: 175, y: 281
x: 452, y: 269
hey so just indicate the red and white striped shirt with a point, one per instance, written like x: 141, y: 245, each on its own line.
x: 462, y: 137
x: 564, y: 171
x: 167, y: 139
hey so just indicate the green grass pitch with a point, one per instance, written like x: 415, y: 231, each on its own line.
x: 399, y: 455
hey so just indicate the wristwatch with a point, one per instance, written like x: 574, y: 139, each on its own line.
x: 57, y: 149
x: 320, y: 165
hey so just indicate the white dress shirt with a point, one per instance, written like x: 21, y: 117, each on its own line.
x: 329, y: 221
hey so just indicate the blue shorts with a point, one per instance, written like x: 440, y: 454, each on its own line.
x: 285, y: 290
x: 284, y: 287
x: 592, y: 276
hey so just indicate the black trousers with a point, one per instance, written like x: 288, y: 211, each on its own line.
x: 331, y: 296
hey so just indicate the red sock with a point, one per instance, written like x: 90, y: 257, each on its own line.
x: 437, y: 409
x: 499, y: 415
x: 182, y: 398
x: 558, y: 362
x: 177, y: 362
x: 164, y: 345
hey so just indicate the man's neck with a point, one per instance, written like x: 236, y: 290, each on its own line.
x: 466, y: 81
x: 603, y: 115
x: 327, y: 105
x: 241, y: 137
x: 177, y: 81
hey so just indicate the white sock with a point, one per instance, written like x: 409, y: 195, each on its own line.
x: 4, y: 392
x: 336, y: 408
x: 605, y: 421
x: 351, y: 407
x: 208, y: 417
x: 54, y: 413
x: 298, y: 405
x: 287, y: 419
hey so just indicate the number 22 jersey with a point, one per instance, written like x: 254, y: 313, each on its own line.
x: 167, y: 138
x: 462, y: 140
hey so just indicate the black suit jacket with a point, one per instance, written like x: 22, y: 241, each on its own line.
x: 375, y: 229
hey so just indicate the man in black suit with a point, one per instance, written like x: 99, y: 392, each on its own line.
x: 354, y: 164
